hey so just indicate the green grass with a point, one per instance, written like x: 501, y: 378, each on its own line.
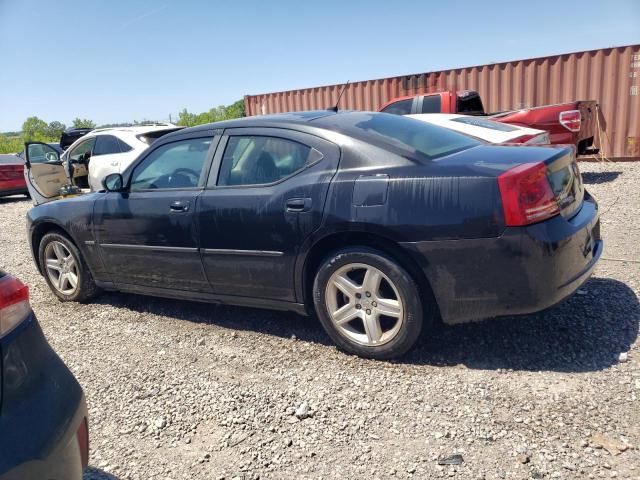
x: 11, y: 144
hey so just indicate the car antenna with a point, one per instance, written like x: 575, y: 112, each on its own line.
x: 335, y: 107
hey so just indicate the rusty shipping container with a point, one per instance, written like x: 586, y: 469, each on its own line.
x: 611, y: 76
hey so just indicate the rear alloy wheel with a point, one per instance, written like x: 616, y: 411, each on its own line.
x: 368, y: 304
x: 64, y: 269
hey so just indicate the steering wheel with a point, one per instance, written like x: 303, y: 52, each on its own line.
x: 165, y: 181
x: 188, y: 171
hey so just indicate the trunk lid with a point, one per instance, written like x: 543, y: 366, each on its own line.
x: 560, y: 163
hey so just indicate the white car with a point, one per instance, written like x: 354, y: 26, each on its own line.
x: 485, y: 128
x: 88, y: 160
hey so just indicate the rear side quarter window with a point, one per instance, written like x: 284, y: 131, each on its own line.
x: 124, y: 146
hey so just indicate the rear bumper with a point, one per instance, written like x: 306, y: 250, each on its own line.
x: 42, y: 410
x: 525, y: 270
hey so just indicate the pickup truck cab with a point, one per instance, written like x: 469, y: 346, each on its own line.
x: 567, y: 123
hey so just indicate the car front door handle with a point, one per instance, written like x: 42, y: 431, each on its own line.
x: 296, y: 205
x: 179, y: 206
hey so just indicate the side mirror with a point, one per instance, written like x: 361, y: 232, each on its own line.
x: 52, y: 157
x: 113, y: 182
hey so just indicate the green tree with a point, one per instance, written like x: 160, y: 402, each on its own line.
x: 215, y: 114
x: 236, y: 110
x: 186, y: 119
x: 34, y: 129
x: 11, y: 143
x: 83, y: 123
x: 54, y: 130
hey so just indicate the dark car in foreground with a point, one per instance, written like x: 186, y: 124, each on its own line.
x: 43, y: 415
x: 379, y: 224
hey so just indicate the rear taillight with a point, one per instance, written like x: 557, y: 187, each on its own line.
x: 539, y: 139
x: 526, y: 195
x: 571, y: 120
x: 14, y: 303
x: 83, y: 442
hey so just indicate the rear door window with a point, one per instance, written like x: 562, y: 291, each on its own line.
x: 258, y: 160
x: 431, y: 104
x: 401, y: 107
x: 106, y: 145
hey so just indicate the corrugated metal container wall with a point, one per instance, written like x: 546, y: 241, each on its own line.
x: 610, y: 76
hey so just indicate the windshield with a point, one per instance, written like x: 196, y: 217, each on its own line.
x: 405, y: 136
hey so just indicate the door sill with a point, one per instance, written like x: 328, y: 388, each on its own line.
x: 205, y: 297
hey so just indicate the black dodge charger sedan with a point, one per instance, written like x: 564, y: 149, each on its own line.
x: 379, y: 224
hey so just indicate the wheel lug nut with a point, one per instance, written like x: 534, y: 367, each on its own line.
x: 368, y: 312
x: 358, y: 306
x: 358, y: 295
x: 374, y: 304
x: 368, y: 294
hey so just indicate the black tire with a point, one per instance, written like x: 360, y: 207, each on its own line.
x: 413, y: 321
x: 86, y: 288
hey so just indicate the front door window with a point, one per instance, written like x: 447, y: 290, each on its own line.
x: 174, y: 165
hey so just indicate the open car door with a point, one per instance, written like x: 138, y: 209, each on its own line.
x: 44, y: 172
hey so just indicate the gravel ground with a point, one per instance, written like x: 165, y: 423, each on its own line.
x: 181, y: 390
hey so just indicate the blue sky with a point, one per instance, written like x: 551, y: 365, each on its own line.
x: 116, y: 61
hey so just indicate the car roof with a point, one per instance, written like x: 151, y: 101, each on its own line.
x: 135, y: 128
x: 344, y: 122
x: 280, y: 119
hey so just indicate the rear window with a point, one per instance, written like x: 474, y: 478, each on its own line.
x: 431, y: 104
x: 401, y: 135
x: 484, y: 123
x: 402, y: 107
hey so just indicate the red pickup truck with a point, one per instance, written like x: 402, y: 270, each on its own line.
x: 567, y: 123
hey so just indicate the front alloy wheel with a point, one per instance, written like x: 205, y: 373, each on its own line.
x: 61, y: 268
x: 64, y: 268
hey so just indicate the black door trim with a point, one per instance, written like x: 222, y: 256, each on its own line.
x: 158, y: 248
x: 252, y: 253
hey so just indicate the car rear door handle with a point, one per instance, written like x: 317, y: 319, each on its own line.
x: 179, y: 206
x: 296, y: 205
